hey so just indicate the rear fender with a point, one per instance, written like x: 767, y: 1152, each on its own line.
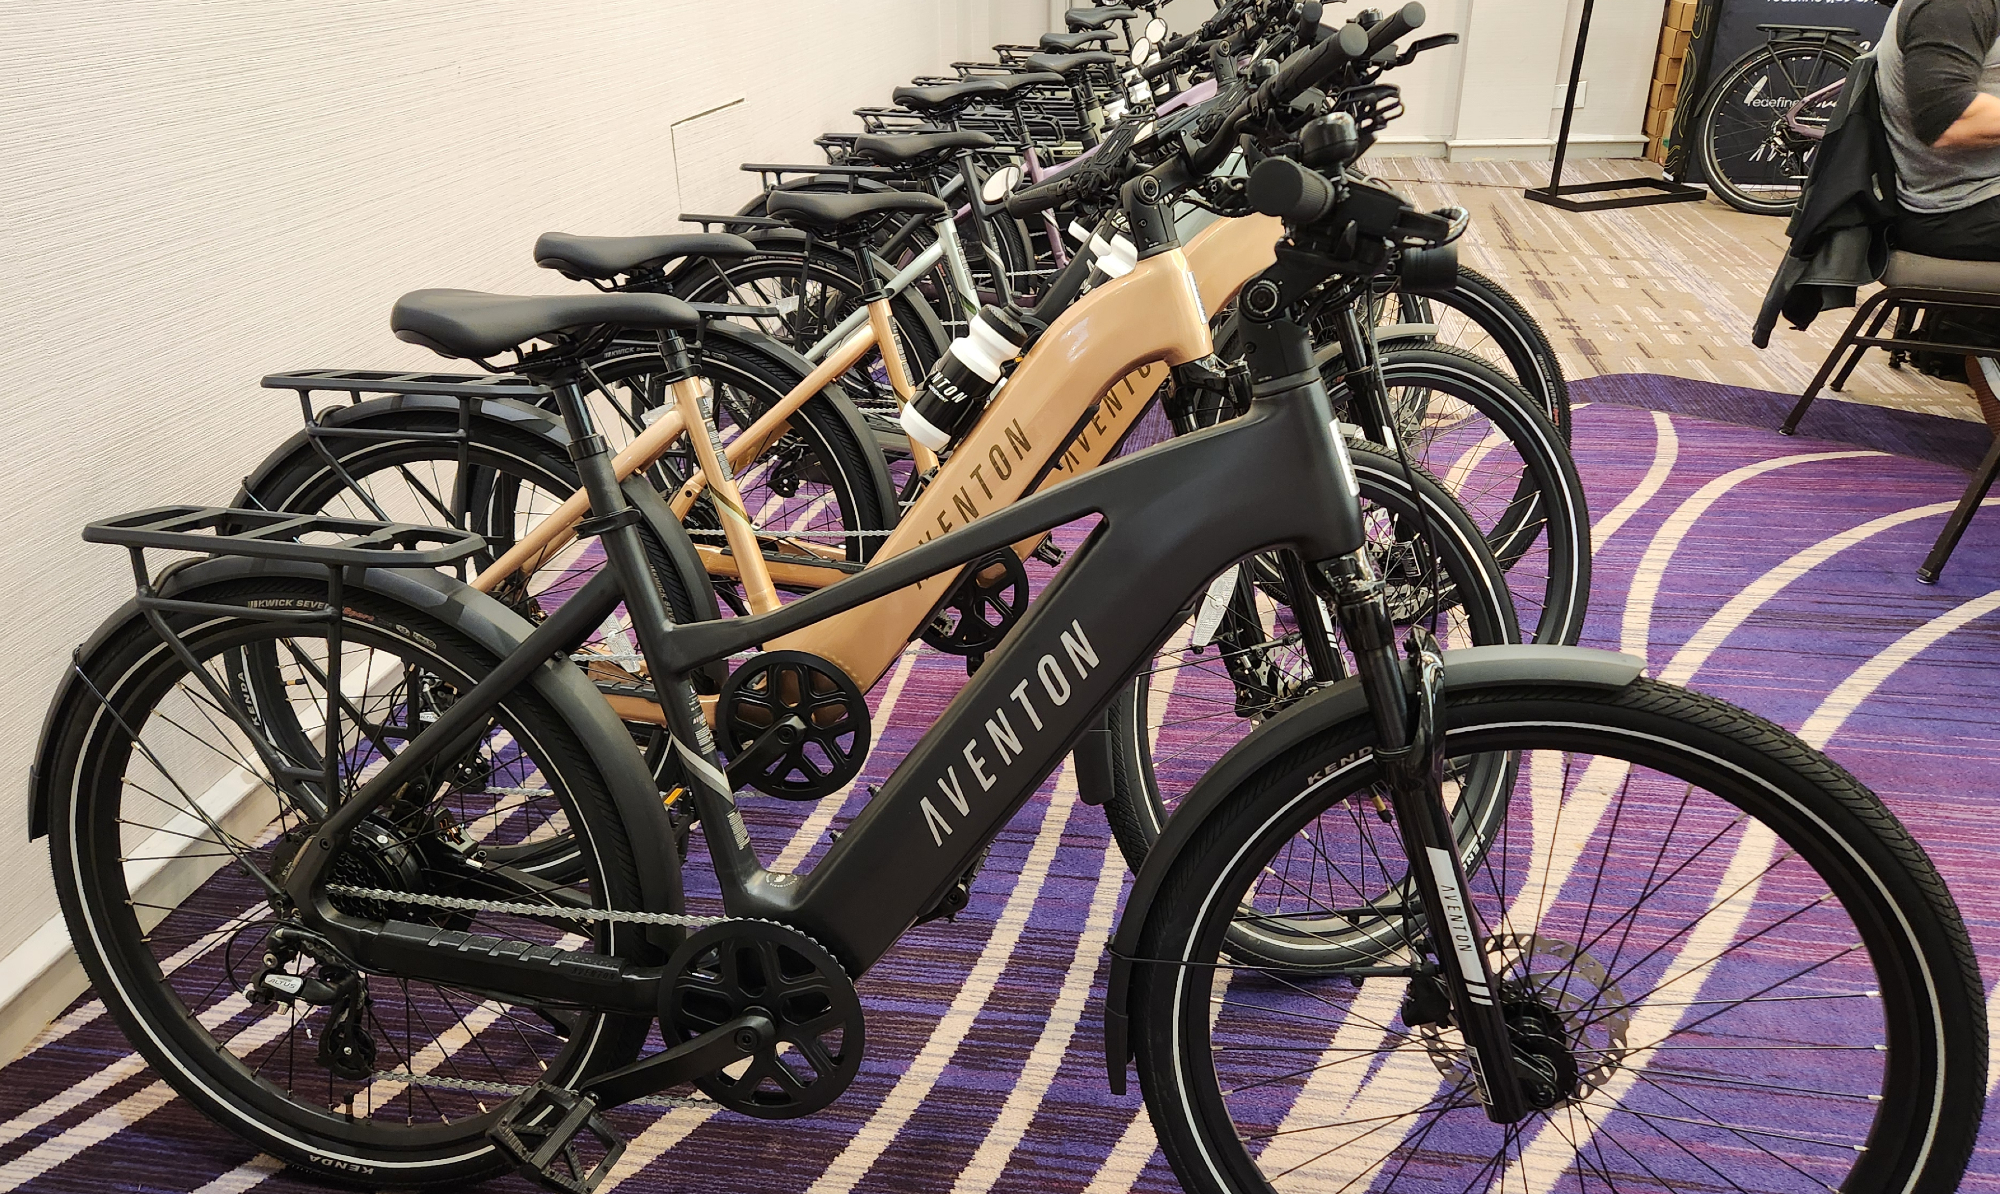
x: 1464, y: 670
x: 480, y: 618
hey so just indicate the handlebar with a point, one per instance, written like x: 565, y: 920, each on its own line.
x: 1034, y: 200
x: 1283, y: 188
x: 1306, y: 68
x: 1394, y: 26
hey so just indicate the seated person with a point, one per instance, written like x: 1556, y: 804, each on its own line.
x: 1940, y: 85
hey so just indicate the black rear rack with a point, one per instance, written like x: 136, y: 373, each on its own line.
x: 272, y: 535
x: 382, y: 381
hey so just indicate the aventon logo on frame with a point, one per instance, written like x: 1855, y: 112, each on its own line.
x: 1002, y: 746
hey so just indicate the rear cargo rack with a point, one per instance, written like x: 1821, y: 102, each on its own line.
x: 382, y: 381
x: 264, y: 534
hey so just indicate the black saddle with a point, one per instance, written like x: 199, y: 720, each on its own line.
x: 609, y: 256
x: 1070, y: 43
x: 944, y: 97
x: 911, y: 149
x: 471, y: 323
x: 1097, y: 18
x: 831, y: 213
x: 1069, y: 64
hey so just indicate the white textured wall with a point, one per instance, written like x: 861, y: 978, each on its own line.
x: 1497, y: 92
x: 195, y: 192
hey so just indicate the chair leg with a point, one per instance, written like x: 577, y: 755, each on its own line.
x: 1791, y: 426
x: 1839, y: 382
x: 1968, y: 505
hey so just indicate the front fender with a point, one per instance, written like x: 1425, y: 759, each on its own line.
x: 480, y: 618
x: 1464, y: 670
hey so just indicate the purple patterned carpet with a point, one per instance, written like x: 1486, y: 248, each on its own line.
x: 1778, y: 573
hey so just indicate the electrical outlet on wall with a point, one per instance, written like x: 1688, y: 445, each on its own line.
x: 1562, y: 93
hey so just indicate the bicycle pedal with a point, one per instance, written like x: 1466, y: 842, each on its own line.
x: 550, y: 1134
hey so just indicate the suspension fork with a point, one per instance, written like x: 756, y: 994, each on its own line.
x: 1410, y: 752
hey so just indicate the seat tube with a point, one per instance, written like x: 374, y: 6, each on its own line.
x: 625, y: 554
x: 694, y: 400
x: 978, y: 209
x: 954, y: 260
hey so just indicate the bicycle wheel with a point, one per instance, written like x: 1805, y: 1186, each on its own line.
x: 1749, y: 154
x: 1737, y: 966
x: 1479, y: 316
x: 165, y: 824
x: 1240, y: 659
x: 1499, y: 455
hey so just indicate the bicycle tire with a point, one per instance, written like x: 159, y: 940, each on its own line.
x: 1849, y: 914
x: 1138, y: 806
x: 1726, y: 170
x: 1536, y: 521
x: 1517, y: 336
x: 182, y: 1005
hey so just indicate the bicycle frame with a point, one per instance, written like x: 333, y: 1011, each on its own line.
x: 1063, y: 438
x: 1274, y: 478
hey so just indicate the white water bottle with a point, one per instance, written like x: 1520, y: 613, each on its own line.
x: 963, y: 379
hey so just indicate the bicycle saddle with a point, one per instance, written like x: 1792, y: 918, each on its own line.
x: 471, y: 323
x: 609, y: 256
x: 912, y: 148
x: 1068, y: 64
x: 1097, y: 18
x: 828, y: 213
x: 1070, y: 43
x: 946, y: 96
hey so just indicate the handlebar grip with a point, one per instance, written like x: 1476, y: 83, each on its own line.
x: 1309, y: 67
x: 1042, y: 196
x: 1395, y: 25
x: 1281, y: 187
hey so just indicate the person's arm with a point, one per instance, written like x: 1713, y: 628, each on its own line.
x: 1944, y: 45
x: 1977, y: 128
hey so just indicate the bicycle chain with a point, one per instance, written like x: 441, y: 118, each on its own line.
x: 507, y: 907
x: 470, y: 1086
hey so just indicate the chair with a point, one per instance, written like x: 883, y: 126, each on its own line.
x: 1914, y: 286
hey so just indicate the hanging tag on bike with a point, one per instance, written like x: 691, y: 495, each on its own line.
x: 1213, y: 604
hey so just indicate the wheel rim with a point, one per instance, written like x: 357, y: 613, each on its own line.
x: 443, y: 1058
x: 1725, y: 1020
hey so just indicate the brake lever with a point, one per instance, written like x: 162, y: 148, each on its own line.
x: 1426, y: 229
x: 1435, y: 41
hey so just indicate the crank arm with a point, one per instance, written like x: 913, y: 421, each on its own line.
x: 723, y: 1045
x: 781, y: 736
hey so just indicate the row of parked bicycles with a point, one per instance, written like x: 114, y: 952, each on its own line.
x: 398, y: 818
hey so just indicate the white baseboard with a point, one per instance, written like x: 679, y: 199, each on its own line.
x: 41, y: 976
x: 38, y: 979
x: 1530, y: 149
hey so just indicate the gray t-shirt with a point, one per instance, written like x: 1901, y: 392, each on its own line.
x: 1935, y: 56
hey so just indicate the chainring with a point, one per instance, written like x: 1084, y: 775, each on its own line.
x: 739, y: 966
x: 989, y: 599
x: 776, y: 685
